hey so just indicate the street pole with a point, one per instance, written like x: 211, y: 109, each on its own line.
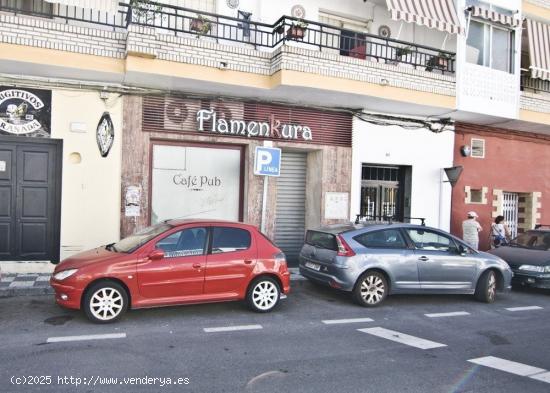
x: 264, y: 204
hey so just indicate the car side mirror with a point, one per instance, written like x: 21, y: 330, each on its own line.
x: 156, y: 254
x: 462, y: 250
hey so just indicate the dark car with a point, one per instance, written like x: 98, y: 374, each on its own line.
x: 529, y: 257
x: 372, y: 261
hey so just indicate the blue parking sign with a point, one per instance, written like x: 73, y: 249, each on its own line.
x: 267, y: 161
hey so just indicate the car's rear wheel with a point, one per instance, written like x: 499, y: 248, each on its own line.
x: 486, y: 288
x: 263, y: 294
x: 371, y: 289
x: 105, y: 302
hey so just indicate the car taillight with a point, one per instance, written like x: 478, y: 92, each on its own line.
x: 344, y: 250
x: 280, y: 257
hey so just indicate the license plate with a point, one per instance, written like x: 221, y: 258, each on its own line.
x: 313, y: 266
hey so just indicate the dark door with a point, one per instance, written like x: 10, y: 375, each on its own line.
x: 30, y: 184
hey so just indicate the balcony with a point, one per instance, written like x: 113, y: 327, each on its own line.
x: 534, y: 85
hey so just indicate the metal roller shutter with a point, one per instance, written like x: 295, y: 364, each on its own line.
x: 291, y: 205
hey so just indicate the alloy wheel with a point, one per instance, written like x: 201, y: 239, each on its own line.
x: 492, y: 287
x: 265, y: 295
x: 106, y: 303
x: 372, y: 289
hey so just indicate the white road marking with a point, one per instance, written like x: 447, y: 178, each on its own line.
x: 86, y: 337
x: 349, y: 320
x: 232, y: 328
x: 544, y: 377
x: 524, y: 308
x: 506, y: 365
x: 402, y: 338
x: 447, y: 314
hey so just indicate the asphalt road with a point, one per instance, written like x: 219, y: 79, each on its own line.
x: 289, y: 350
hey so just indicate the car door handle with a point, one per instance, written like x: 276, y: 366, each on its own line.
x: 197, y: 265
x: 248, y: 261
x: 424, y: 259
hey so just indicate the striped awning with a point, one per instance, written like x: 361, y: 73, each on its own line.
x: 100, y: 5
x: 539, y: 49
x: 494, y: 16
x: 435, y: 14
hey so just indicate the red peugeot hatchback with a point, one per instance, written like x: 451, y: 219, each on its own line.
x: 174, y: 262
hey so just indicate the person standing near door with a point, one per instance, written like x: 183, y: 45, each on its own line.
x: 471, y: 229
x: 500, y: 234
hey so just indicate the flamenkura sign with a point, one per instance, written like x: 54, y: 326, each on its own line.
x: 25, y: 112
x: 272, y: 129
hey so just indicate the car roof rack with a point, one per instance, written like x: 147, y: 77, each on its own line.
x: 384, y: 219
x: 541, y: 226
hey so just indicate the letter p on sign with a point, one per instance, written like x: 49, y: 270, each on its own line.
x: 267, y: 161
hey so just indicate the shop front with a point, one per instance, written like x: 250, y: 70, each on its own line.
x: 193, y: 158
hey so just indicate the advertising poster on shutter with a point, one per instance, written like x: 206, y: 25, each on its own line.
x: 186, y: 184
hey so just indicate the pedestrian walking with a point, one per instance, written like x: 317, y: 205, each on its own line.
x: 471, y: 229
x: 500, y: 234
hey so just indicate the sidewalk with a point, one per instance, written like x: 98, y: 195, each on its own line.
x: 25, y: 284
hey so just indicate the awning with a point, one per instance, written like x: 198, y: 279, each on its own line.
x: 539, y: 49
x: 435, y: 14
x: 494, y: 16
x: 99, y: 5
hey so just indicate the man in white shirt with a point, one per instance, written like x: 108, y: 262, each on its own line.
x: 470, y: 230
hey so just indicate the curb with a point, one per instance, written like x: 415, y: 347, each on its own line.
x: 12, y: 292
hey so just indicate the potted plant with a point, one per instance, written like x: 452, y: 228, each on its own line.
x: 403, y: 54
x: 297, y: 29
x: 201, y: 25
x: 439, y: 62
x: 280, y: 29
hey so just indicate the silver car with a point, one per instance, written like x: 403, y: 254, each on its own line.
x: 373, y: 261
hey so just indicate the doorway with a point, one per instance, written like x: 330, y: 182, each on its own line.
x: 385, y: 192
x: 510, y: 211
x: 30, y: 199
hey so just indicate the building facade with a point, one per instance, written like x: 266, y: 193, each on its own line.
x: 375, y: 96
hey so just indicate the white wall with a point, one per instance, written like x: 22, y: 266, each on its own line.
x: 425, y: 151
x: 270, y: 11
x: 90, y: 204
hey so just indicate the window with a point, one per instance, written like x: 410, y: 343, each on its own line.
x: 478, y: 148
x: 476, y: 196
x: 430, y: 241
x: 390, y: 238
x: 321, y: 240
x: 184, y: 243
x: 350, y: 39
x: 229, y: 240
x: 490, y: 46
x: 133, y: 242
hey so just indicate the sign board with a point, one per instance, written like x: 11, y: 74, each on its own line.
x: 25, y: 112
x: 267, y: 161
x: 336, y: 206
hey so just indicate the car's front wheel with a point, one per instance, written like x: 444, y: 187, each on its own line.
x: 486, y: 289
x: 263, y: 294
x: 105, y: 302
x: 371, y: 289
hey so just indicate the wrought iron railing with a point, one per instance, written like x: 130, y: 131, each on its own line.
x: 536, y: 85
x: 181, y: 20
x: 65, y: 13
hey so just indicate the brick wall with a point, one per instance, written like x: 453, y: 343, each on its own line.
x: 537, y: 102
x: 42, y: 33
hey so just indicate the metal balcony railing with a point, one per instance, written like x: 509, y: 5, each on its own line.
x: 64, y: 13
x: 536, y: 85
x: 308, y: 34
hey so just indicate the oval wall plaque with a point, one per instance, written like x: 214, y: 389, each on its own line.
x: 105, y: 134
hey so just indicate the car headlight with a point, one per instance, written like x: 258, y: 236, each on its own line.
x: 533, y: 268
x: 64, y: 274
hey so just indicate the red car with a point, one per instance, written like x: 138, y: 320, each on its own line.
x: 174, y: 262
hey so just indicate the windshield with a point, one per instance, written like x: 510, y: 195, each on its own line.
x: 132, y: 242
x: 534, y: 240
